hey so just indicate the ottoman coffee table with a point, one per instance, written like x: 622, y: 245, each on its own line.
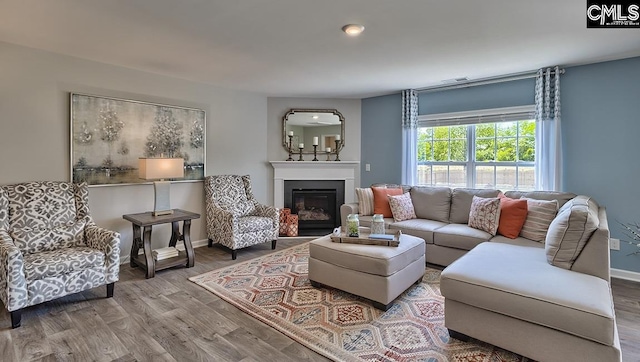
x: 378, y: 273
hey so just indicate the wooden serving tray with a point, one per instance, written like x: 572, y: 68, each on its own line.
x: 341, y: 237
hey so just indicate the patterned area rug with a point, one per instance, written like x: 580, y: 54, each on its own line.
x: 275, y: 289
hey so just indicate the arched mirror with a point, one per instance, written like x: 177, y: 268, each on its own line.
x: 308, y: 126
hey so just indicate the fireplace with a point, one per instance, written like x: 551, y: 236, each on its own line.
x: 316, y: 202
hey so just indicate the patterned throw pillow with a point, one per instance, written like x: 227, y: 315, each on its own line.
x: 365, y: 201
x: 540, y: 214
x: 485, y: 214
x: 402, y: 207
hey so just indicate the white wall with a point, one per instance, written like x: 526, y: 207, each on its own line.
x: 276, y: 109
x: 34, y: 121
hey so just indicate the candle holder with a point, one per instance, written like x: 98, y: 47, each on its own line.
x: 290, y: 138
x: 315, y: 158
x: 300, y: 158
x: 338, y: 150
x: 328, y: 156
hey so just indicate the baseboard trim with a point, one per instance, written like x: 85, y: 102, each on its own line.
x: 625, y: 274
x: 180, y: 246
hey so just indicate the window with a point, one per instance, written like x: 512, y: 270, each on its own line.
x: 485, y: 151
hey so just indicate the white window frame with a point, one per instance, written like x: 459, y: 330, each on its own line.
x: 472, y: 118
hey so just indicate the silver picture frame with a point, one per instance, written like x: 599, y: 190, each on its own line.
x: 109, y: 135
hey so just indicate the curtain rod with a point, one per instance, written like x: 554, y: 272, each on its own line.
x: 482, y: 81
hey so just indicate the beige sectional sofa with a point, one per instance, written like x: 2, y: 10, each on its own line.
x: 506, y: 291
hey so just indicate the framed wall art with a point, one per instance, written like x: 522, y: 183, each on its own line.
x: 109, y: 135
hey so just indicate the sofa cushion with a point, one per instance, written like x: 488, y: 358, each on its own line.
x: 461, y: 203
x: 540, y: 213
x: 401, y: 207
x: 61, y: 261
x: 485, y: 214
x: 365, y: 201
x: 517, y: 241
x: 570, y: 231
x: 460, y: 236
x: 381, y: 202
x: 432, y: 203
x: 421, y: 228
x: 513, y: 213
x: 562, y: 197
x: 517, y: 281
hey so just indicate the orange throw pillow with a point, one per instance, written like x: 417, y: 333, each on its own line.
x: 513, y: 213
x: 381, y: 202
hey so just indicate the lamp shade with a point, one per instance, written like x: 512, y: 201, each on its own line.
x: 160, y: 168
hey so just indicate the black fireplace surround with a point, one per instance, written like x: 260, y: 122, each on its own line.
x: 316, y: 202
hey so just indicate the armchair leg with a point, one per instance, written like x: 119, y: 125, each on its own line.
x: 110, y: 290
x: 234, y: 254
x: 210, y: 243
x: 16, y: 316
x: 273, y: 244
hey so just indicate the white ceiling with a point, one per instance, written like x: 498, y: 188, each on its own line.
x: 295, y: 48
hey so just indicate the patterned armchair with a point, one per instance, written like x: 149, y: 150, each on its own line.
x: 234, y: 218
x: 50, y: 245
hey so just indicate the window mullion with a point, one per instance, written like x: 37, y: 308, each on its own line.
x: 471, y: 156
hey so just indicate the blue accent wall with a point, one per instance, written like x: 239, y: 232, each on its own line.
x: 601, y: 143
x: 600, y: 131
x: 507, y: 94
x: 381, y: 141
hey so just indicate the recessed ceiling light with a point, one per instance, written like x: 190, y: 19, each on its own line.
x: 353, y: 29
x: 315, y: 117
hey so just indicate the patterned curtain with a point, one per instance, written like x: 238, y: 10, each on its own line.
x: 409, y: 136
x: 548, y: 137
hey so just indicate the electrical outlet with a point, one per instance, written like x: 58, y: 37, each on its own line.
x: 614, y: 244
x: 367, y: 167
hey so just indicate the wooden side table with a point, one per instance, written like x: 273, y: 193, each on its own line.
x: 146, y: 220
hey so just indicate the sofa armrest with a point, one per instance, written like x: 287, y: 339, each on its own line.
x: 108, y: 242
x: 220, y: 223
x: 13, y: 283
x: 268, y: 211
x: 595, y: 257
x: 346, y: 209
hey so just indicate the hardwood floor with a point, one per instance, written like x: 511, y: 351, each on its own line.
x: 168, y: 318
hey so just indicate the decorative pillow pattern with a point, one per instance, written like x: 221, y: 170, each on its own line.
x: 461, y: 199
x: 540, y: 214
x: 513, y: 213
x: 365, y: 201
x: 381, y: 202
x: 485, y: 214
x: 402, y: 207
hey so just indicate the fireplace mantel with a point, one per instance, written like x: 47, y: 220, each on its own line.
x: 313, y: 170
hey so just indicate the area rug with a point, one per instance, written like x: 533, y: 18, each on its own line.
x: 275, y: 290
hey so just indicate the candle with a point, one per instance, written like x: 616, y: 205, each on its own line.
x: 301, y: 145
x: 328, y: 149
x: 315, y: 141
x: 290, y: 133
x: 337, y: 137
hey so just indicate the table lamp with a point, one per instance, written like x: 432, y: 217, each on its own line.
x: 159, y: 169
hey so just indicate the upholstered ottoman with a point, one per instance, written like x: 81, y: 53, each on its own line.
x: 378, y: 273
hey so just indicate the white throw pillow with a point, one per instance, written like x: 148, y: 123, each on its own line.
x: 540, y: 214
x: 485, y: 214
x: 365, y: 201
